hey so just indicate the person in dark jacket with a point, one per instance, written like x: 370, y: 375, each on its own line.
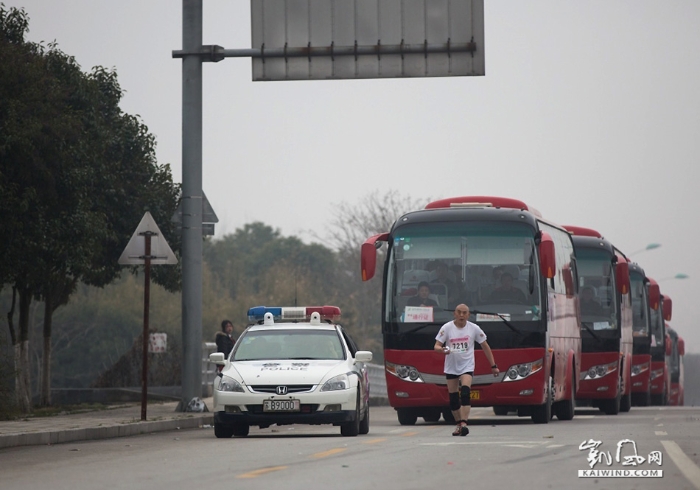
x: 224, y: 339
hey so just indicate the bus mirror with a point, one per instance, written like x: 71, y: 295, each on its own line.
x: 668, y: 346
x: 654, y: 295
x: 568, y: 280
x: 681, y: 347
x: 622, y: 277
x: 548, y: 265
x: 368, y: 261
x: 668, y: 308
x: 368, y: 255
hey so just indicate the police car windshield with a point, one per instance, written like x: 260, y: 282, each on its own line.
x: 289, y: 344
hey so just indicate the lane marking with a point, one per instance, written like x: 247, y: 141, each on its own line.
x: 330, y: 452
x: 408, y: 434
x: 555, y: 445
x: 501, y: 443
x: 261, y: 471
x: 684, y: 463
x: 374, y: 441
x: 660, y: 432
x: 659, y: 425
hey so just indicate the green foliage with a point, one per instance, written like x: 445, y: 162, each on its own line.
x: 76, y: 175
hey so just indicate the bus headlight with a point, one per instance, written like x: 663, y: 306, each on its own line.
x: 406, y: 373
x: 656, y: 373
x: 521, y: 371
x: 638, y: 369
x: 595, y: 372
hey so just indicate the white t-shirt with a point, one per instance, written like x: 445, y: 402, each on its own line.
x: 460, y: 360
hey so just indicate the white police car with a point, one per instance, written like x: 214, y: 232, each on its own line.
x: 294, y: 366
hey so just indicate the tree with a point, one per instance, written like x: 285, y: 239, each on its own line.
x: 351, y: 226
x: 76, y: 173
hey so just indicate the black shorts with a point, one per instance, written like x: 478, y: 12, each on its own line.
x: 457, y: 376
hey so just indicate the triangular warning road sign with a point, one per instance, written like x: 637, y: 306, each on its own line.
x: 135, y: 250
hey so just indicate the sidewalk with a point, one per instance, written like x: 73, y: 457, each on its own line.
x: 120, y: 421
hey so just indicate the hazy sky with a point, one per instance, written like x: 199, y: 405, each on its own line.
x: 589, y: 111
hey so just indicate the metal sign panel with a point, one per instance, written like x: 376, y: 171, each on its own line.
x: 135, y: 251
x: 346, y: 39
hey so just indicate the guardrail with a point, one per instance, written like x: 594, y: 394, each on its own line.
x: 377, y: 384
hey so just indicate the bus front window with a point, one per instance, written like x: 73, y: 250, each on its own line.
x: 597, y: 291
x: 491, y: 267
x: 640, y: 322
x: 657, y: 328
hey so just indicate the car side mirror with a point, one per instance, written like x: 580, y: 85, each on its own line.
x: 217, y: 358
x: 363, y: 356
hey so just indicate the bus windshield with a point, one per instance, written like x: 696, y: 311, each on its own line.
x: 492, y: 267
x: 640, y: 321
x: 657, y: 328
x: 596, y: 286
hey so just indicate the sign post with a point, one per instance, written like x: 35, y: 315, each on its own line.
x: 132, y: 255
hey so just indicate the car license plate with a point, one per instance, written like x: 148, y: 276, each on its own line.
x: 281, y: 406
x: 474, y: 395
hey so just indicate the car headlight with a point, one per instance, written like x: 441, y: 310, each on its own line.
x: 406, y: 373
x: 521, y: 371
x: 229, y: 384
x: 340, y: 382
x: 595, y: 372
x: 657, y: 373
x: 638, y: 369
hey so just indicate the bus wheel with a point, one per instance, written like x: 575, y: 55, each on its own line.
x: 433, y: 416
x: 447, y: 415
x: 565, y: 409
x: 626, y: 402
x: 612, y: 406
x: 406, y: 416
x: 641, y: 399
x: 500, y: 410
x: 542, y: 414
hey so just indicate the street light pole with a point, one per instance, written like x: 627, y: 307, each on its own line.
x: 680, y: 275
x: 191, y: 203
x: 651, y: 246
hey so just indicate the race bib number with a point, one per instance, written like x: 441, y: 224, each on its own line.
x: 459, y: 346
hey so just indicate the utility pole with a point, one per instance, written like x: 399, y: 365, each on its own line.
x: 191, y: 202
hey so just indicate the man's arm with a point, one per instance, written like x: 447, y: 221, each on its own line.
x: 440, y: 347
x: 489, y: 356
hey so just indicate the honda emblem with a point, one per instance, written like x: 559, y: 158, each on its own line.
x: 281, y: 390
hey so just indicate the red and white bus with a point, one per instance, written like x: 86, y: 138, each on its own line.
x: 464, y: 248
x: 606, y: 323
x: 660, y: 379
x: 675, y: 367
x: 645, y: 298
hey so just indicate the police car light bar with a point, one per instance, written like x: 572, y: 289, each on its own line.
x: 292, y: 313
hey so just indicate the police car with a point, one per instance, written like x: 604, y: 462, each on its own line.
x: 293, y: 365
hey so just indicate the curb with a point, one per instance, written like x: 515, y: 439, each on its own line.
x: 95, y: 433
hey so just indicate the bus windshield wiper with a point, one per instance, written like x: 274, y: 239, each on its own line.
x: 419, y: 327
x: 590, y: 331
x: 508, y: 324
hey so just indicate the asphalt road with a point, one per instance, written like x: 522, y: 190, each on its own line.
x: 500, y: 452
